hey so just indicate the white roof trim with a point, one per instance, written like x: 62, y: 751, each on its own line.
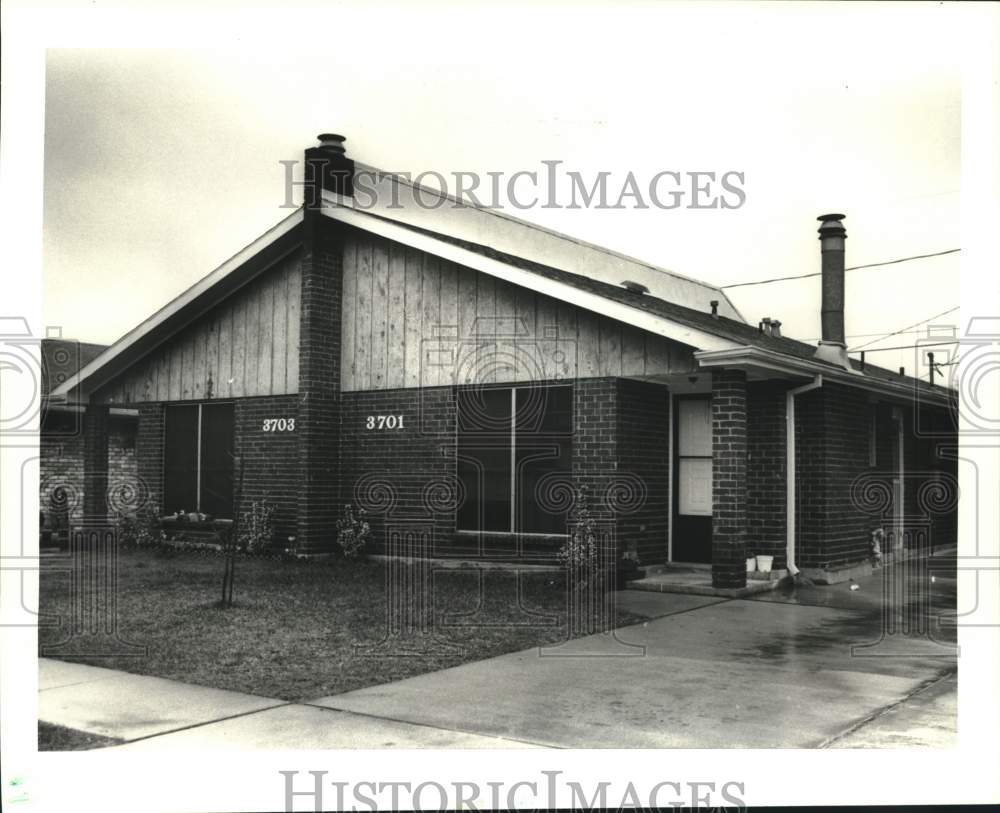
x: 115, y: 412
x: 172, y: 307
x: 335, y: 209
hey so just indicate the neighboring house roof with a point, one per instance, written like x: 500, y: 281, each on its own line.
x: 62, y: 358
x: 715, y: 336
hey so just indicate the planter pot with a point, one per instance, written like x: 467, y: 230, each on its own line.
x: 751, y: 564
x: 764, y: 563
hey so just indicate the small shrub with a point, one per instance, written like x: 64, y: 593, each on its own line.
x: 256, y: 531
x: 352, y: 531
x: 140, y: 529
x: 580, y: 553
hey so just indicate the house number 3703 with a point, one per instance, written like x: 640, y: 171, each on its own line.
x: 279, y: 425
x: 384, y: 422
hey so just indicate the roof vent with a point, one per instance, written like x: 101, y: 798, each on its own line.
x: 715, y: 308
x: 635, y: 287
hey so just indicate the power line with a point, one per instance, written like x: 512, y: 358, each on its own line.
x: 902, y: 329
x: 852, y: 268
x: 866, y: 335
x: 908, y: 346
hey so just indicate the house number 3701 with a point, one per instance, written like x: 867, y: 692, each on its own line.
x: 384, y: 422
x: 279, y: 425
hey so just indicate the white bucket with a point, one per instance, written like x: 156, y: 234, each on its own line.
x: 751, y: 564
x: 764, y: 563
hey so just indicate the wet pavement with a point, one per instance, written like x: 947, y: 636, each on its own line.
x: 802, y: 666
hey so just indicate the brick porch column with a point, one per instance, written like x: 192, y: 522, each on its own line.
x: 729, y: 478
x: 318, y: 421
x: 95, y: 463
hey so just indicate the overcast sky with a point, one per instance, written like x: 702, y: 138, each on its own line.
x: 161, y: 164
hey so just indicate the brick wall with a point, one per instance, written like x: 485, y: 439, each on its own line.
x: 643, y: 499
x: 836, y: 511
x: 939, y: 439
x: 729, y: 478
x: 595, y: 437
x: 95, y: 462
x: 847, y: 532
x: 810, y: 488
x: 766, y: 470
x: 405, y: 474
x: 270, y: 461
x: 149, y: 452
x: 408, y: 475
x: 61, y: 463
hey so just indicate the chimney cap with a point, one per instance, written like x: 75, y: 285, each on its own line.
x: 332, y: 141
x: 831, y: 226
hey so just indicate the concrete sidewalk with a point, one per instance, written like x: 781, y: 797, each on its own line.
x: 151, y: 712
x: 803, y: 667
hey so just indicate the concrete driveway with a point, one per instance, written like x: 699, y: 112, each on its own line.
x: 798, y: 667
x: 707, y: 673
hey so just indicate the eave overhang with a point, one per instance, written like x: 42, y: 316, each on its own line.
x: 760, y: 361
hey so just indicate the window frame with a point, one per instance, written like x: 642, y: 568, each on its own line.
x: 680, y: 457
x: 512, y: 387
x: 198, y: 443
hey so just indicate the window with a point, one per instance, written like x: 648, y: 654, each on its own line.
x: 694, y: 457
x: 198, y: 459
x: 513, y: 445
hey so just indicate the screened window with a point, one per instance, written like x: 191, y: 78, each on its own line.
x: 514, y: 444
x: 198, y: 459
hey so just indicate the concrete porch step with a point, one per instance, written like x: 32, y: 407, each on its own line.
x: 698, y: 581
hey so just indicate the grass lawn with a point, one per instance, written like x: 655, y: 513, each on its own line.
x: 58, y: 738
x: 303, y: 630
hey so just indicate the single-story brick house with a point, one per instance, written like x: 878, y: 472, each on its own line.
x: 460, y: 373
x: 60, y: 440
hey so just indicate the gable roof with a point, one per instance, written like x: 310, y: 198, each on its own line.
x: 734, y: 333
x: 397, y: 198
x: 713, y: 335
x: 233, y: 274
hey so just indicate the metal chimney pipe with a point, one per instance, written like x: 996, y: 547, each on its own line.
x: 832, y: 234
